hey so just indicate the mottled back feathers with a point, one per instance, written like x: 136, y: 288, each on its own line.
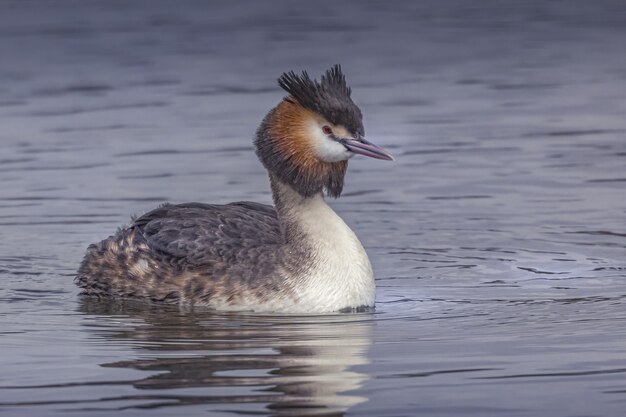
x: 190, y: 254
x: 203, y: 234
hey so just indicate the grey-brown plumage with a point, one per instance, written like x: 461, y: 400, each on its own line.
x: 190, y: 253
x: 296, y: 256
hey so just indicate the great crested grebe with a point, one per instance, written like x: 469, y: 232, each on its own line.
x: 298, y: 256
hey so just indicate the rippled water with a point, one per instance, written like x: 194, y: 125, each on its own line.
x: 498, y: 236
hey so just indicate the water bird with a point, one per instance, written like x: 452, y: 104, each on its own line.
x: 297, y: 256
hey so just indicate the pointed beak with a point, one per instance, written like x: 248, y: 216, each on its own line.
x: 363, y: 147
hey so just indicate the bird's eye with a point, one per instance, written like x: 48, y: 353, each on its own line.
x: 327, y: 130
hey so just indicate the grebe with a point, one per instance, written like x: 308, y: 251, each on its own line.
x: 298, y: 256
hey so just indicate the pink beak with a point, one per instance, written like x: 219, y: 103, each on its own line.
x: 363, y: 147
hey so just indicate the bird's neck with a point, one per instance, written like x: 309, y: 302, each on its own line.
x: 322, y: 252
x: 302, y: 218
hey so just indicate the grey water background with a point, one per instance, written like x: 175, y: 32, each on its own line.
x: 498, y: 237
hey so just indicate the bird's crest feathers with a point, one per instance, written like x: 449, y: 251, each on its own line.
x: 329, y: 97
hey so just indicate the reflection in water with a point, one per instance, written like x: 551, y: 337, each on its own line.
x: 300, y: 365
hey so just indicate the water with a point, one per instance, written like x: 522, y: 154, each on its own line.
x: 498, y: 236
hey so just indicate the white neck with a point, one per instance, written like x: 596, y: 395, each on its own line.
x: 338, y: 275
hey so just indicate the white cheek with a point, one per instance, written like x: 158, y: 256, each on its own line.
x: 327, y: 149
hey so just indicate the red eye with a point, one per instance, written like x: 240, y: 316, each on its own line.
x: 327, y: 130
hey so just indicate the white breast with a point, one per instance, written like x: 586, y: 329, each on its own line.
x: 341, y: 274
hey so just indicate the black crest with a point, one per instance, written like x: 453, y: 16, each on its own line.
x: 329, y: 97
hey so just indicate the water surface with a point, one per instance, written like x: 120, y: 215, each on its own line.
x: 498, y: 236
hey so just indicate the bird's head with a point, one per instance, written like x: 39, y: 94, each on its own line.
x: 308, y: 138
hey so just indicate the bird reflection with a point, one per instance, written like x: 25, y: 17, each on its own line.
x: 290, y: 365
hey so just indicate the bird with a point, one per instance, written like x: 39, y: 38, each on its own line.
x: 297, y: 256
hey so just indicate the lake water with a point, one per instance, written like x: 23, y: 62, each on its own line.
x: 498, y: 237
